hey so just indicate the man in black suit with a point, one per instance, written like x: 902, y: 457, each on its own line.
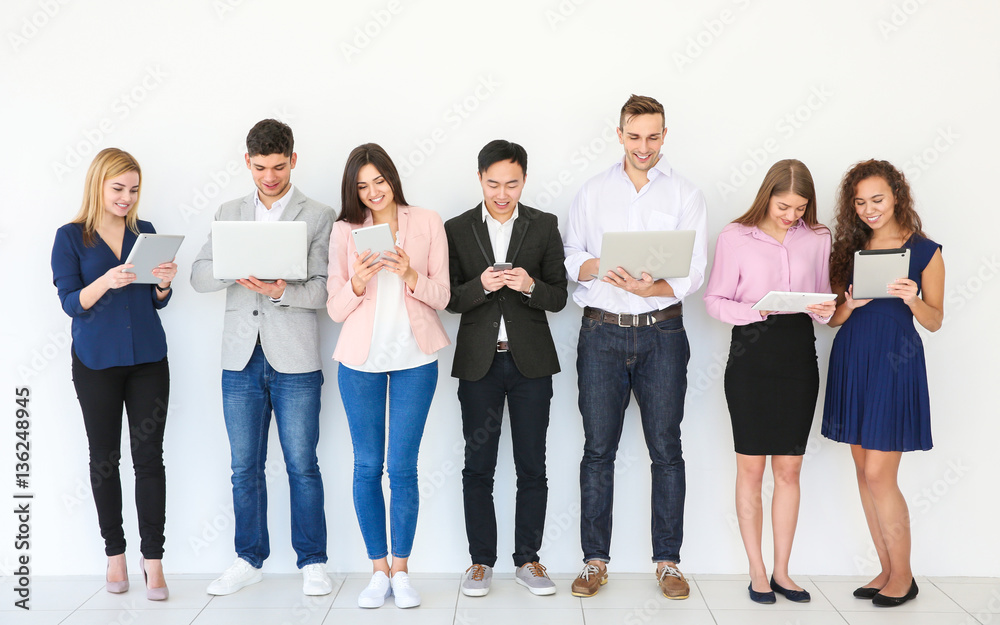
x: 506, y: 262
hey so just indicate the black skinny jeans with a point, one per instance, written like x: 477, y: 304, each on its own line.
x: 144, y: 390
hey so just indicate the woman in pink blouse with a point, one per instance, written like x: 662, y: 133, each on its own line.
x: 772, y: 378
x: 387, y: 350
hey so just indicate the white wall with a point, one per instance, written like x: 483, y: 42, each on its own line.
x: 744, y: 84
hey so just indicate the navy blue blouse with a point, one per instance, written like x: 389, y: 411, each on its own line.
x: 120, y: 329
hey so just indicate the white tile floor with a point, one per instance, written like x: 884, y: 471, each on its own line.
x: 627, y: 599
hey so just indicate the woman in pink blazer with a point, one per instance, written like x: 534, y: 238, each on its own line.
x: 387, y: 349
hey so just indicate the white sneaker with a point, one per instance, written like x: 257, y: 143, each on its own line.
x: 239, y: 575
x: 315, y: 581
x: 376, y: 593
x: 406, y: 595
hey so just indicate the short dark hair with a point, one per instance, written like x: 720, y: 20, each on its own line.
x: 352, y: 209
x: 269, y: 136
x: 502, y: 150
x: 640, y: 105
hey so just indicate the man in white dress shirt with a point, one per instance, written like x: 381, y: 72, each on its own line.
x: 632, y: 340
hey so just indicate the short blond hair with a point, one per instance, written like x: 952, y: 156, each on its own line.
x: 641, y: 105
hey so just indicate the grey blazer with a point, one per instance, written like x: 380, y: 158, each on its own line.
x: 288, y: 330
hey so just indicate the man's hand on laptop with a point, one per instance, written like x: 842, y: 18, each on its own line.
x: 621, y: 279
x: 274, y: 290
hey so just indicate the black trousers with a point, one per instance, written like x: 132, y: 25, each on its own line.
x: 482, y: 415
x: 144, y: 391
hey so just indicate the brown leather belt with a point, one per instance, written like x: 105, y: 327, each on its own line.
x: 628, y: 320
x: 503, y: 346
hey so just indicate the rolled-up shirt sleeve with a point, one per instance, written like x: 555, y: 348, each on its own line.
x: 575, y: 240
x: 694, y: 217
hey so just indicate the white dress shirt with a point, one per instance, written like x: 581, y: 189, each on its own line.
x: 500, y: 238
x: 608, y: 202
x: 262, y: 213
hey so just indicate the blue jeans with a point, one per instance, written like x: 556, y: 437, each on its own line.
x: 613, y: 362
x: 248, y: 396
x: 409, y: 392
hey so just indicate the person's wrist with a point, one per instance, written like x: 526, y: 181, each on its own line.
x: 163, y: 289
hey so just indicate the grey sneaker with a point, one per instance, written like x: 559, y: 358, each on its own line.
x: 533, y: 577
x: 476, y: 582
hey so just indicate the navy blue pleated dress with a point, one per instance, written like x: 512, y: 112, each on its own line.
x: 876, y: 390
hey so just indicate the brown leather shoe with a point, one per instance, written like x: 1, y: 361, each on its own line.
x: 672, y: 582
x: 590, y: 580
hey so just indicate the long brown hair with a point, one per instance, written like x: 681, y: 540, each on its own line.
x: 784, y: 176
x: 853, y: 233
x: 109, y: 163
x: 352, y: 209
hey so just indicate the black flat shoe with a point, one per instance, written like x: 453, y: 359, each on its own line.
x: 760, y: 597
x: 883, y: 601
x: 798, y: 596
x: 866, y: 592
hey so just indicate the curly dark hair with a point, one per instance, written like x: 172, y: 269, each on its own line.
x: 853, y: 233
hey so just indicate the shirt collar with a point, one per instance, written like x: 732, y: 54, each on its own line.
x: 277, y: 204
x: 661, y: 168
x: 486, y: 215
x: 757, y: 233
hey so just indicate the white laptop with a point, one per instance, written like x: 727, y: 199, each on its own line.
x: 660, y: 253
x: 267, y: 250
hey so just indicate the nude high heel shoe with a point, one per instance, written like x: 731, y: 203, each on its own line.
x: 152, y: 594
x: 115, y: 587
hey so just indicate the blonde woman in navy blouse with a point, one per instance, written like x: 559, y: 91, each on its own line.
x: 119, y: 357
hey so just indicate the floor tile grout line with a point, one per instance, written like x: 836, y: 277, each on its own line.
x: 701, y: 593
x: 943, y: 592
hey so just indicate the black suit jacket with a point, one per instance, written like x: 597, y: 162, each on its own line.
x: 536, y: 246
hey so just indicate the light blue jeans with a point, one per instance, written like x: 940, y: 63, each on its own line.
x: 409, y: 393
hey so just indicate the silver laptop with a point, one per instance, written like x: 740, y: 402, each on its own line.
x: 268, y: 250
x: 660, y: 253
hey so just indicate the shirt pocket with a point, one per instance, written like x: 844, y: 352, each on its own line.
x: 662, y: 221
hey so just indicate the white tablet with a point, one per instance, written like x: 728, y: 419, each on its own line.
x: 791, y: 301
x: 149, y: 251
x: 875, y: 270
x: 660, y: 253
x: 377, y: 238
x: 266, y: 250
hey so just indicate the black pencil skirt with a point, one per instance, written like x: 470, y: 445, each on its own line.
x: 772, y: 380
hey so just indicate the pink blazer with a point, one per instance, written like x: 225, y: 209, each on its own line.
x: 422, y: 236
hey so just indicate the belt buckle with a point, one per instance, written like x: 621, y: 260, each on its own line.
x: 635, y: 320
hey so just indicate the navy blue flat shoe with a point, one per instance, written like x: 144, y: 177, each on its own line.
x: 760, y: 597
x: 798, y: 596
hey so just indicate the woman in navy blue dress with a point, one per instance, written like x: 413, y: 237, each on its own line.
x: 119, y: 357
x: 876, y: 394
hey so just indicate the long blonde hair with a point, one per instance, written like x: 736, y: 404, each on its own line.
x: 785, y: 176
x: 109, y: 163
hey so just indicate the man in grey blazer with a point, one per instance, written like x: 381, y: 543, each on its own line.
x: 504, y: 352
x: 270, y: 361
